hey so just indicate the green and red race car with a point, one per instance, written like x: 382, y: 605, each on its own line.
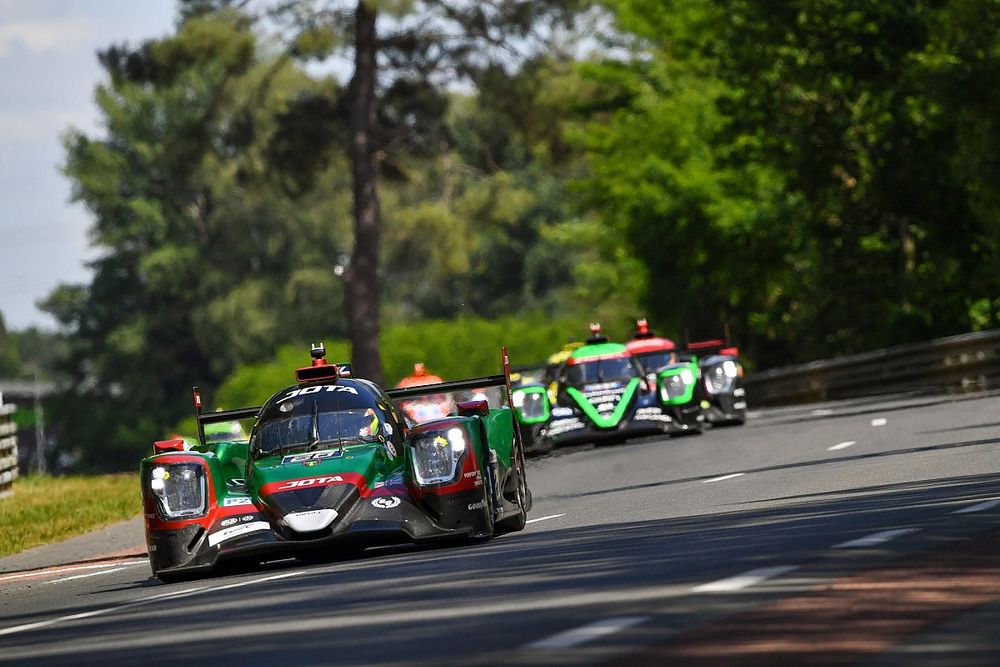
x: 333, y: 466
x: 600, y: 392
x: 716, y: 364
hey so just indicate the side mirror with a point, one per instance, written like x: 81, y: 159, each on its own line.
x: 163, y: 446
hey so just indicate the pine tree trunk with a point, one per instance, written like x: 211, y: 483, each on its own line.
x: 363, y: 293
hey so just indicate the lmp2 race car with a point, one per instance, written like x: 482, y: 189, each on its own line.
x: 333, y: 466
x: 600, y: 392
x: 719, y: 389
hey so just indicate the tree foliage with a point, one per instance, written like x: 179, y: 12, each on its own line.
x: 817, y: 177
x: 799, y: 171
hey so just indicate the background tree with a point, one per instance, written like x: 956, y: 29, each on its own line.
x: 427, y: 43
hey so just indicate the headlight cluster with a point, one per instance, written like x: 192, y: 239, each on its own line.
x: 676, y: 385
x: 436, y: 458
x: 719, y: 379
x: 179, y: 489
x: 531, y: 404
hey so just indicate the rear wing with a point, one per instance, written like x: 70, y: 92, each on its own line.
x: 718, y: 346
x: 218, y: 417
x: 447, y: 387
x: 494, y: 389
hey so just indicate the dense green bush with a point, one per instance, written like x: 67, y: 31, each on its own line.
x: 453, y: 349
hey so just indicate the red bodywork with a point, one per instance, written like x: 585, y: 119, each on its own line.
x: 656, y: 344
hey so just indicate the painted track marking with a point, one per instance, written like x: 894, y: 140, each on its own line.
x: 586, y: 633
x: 724, y: 477
x: 173, y: 595
x: 545, y: 518
x: 979, y: 507
x: 843, y: 445
x: 875, y: 538
x: 741, y: 581
x: 84, y: 576
x: 881, y: 421
x: 75, y: 568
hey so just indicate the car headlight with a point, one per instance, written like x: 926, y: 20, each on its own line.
x: 436, y: 458
x: 179, y: 489
x: 532, y: 404
x: 719, y: 379
x: 676, y: 385
x: 518, y: 398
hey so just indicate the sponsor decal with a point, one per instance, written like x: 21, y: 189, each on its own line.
x: 562, y: 412
x: 231, y: 521
x: 389, y: 447
x: 233, y: 502
x: 310, y: 481
x: 478, y: 506
x: 651, y: 414
x: 564, y: 425
x: 235, y: 531
x: 152, y: 547
x: 315, y: 389
x: 474, y: 473
x: 740, y: 405
x: 236, y: 482
x: 313, y: 456
x: 386, y: 502
x: 739, y: 391
x: 602, y: 386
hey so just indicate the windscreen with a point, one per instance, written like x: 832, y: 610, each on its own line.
x: 599, y: 370
x: 655, y: 361
x: 310, y: 417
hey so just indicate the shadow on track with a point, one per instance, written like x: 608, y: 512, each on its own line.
x: 399, y: 606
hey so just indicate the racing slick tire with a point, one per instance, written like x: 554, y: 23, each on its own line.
x: 489, y: 510
x: 540, y: 445
x: 522, y: 498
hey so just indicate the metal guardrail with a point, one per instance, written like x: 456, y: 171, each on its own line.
x: 968, y: 362
x: 8, y: 449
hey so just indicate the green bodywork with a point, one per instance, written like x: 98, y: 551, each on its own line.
x: 688, y: 395
x: 546, y: 412
x: 371, y: 461
x: 615, y: 417
x: 597, y: 350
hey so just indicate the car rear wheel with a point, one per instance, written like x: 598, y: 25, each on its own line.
x: 522, y: 499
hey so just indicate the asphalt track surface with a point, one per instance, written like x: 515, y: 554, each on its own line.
x: 855, y: 533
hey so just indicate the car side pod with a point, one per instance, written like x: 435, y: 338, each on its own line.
x: 164, y: 446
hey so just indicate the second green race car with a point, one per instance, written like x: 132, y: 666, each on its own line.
x: 600, y: 392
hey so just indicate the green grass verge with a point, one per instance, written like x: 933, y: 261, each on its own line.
x: 48, y: 509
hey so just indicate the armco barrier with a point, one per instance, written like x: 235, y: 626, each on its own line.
x: 8, y: 449
x: 968, y: 362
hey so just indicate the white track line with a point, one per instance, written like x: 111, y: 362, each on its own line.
x: 724, y: 477
x: 173, y: 595
x: 979, y: 507
x: 545, y: 518
x: 843, y: 445
x: 84, y: 576
x: 75, y: 568
x: 875, y: 538
x: 586, y: 633
x: 821, y: 412
x: 881, y: 421
x: 741, y: 581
